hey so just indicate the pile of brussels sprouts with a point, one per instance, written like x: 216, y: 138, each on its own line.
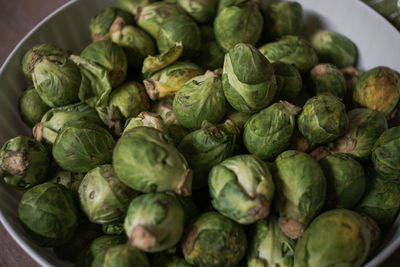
x: 206, y: 133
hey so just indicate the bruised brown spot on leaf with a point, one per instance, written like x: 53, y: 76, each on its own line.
x: 142, y: 238
x: 291, y: 227
x: 163, y: 12
x: 35, y: 57
x: 37, y: 131
x: 148, y: 116
x: 320, y: 70
x: 185, y: 184
x: 151, y: 89
x: 262, y: 209
x: 117, y: 25
x: 139, y: 11
x: 189, y: 241
x: 299, y: 143
x: 349, y: 72
x: 320, y: 153
x: 116, y: 76
x: 345, y: 145
x: 14, y: 162
x: 114, y: 119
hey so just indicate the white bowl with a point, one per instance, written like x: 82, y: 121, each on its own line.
x: 67, y: 27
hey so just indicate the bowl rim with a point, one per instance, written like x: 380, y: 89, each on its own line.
x: 375, y: 261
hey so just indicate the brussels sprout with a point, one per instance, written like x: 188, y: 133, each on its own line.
x: 105, y: 20
x: 95, y: 86
x: 365, y: 127
x: 31, y: 106
x: 170, y: 79
x: 179, y: 28
x: 201, y: 10
x: 111, y: 57
x: 85, y: 233
x: 345, y: 180
x: 71, y: 180
x: 229, y: 3
x: 57, y: 80
x: 335, y: 238
x: 49, y: 214
x: 146, y: 119
x: 375, y: 233
x: 103, y: 197
x: 121, y: 255
x: 152, y: 16
x: 163, y: 108
x: 146, y: 160
x: 136, y: 43
x: 386, y: 154
x: 98, y: 247
x: 240, y: 23
x: 248, y: 79
x: 292, y: 50
x: 269, y: 246
x: 334, y: 48
x: 82, y: 146
x: 207, y: 147
x: 268, y: 132
x: 300, y: 191
x: 323, y: 119
x: 113, y: 228
x: 174, y: 129
x: 130, y: 99
x: 55, y: 119
x: 131, y: 6
x: 326, y: 78
x: 282, y: 19
x: 199, y: 99
x: 378, y: 89
x: 351, y: 75
x: 212, y: 56
x: 241, y: 188
x: 154, y: 222
x: 24, y: 162
x: 112, y: 117
x: 165, y: 260
x: 214, y: 240
x: 156, y: 63
x: 288, y: 81
x: 36, y: 53
x: 238, y: 118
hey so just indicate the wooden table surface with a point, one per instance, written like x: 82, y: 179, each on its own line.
x: 17, y: 17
